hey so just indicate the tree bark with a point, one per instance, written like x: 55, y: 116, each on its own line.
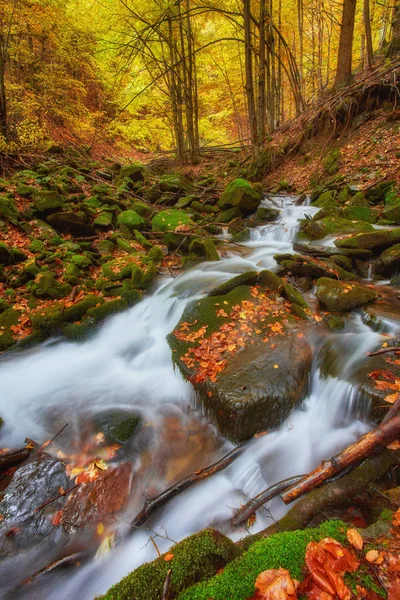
x: 368, y: 34
x: 395, y: 43
x: 251, y: 107
x: 344, y: 64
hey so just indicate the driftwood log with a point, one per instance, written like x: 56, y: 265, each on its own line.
x: 13, y: 458
x: 364, y: 447
x: 157, y: 502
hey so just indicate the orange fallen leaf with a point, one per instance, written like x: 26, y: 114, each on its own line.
x: 275, y: 584
x: 375, y: 557
x: 355, y: 539
x: 168, y: 557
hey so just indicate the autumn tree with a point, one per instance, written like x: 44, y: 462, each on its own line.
x: 345, y: 54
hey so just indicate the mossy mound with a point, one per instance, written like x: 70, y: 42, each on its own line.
x: 326, y: 198
x: 242, y: 194
x: 104, y: 219
x: 131, y: 220
x: 375, y: 241
x: 107, y: 309
x: 389, y: 261
x: 317, y: 230
x: 392, y: 213
x: 47, y: 286
x: 228, y: 215
x: 361, y: 213
x: 8, y: 319
x: 117, y: 425
x: 337, y: 296
x: 10, y: 255
x: 119, y: 268
x: 304, y: 266
x: 198, y: 557
x: 135, y: 172
x: 25, y: 191
x: 286, y: 550
x: 70, y: 222
x: 171, y: 220
x: 331, y: 162
x: 204, y: 248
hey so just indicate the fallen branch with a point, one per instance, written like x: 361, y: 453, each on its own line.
x: 385, y: 350
x: 71, y: 560
x: 337, y: 494
x: 157, y: 502
x: 11, y: 459
x: 246, y: 511
x: 167, y: 585
x: 365, y: 446
x: 393, y: 410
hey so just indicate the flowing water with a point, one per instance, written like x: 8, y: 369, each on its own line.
x: 127, y: 364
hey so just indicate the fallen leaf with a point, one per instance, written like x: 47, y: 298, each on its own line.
x: 275, y: 584
x: 355, y: 539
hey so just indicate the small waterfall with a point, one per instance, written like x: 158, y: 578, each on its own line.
x: 128, y: 363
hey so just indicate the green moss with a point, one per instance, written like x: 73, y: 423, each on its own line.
x: 327, y: 198
x: 317, y: 230
x: 149, y: 276
x: 108, y: 308
x: 117, y: 425
x: 175, y: 183
x: 25, y: 191
x: 10, y: 255
x: 131, y: 220
x: 195, y: 559
x: 78, y: 310
x: 228, y: 215
x: 155, y: 254
x: 135, y: 172
x: 375, y: 241
x: 331, y: 162
x: 203, y: 208
x: 361, y: 213
x: 337, y: 296
x: 170, y: 220
x: 104, y: 219
x: 294, y: 296
x: 82, y: 262
x: 47, y: 286
x: 204, y: 248
x: 284, y: 550
x: 37, y: 247
x: 142, y: 209
x: 362, y: 578
x: 8, y: 210
x: 248, y: 278
x: 242, y: 194
x: 118, y: 269
x: 335, y: 323
x: 270, y: 280
x: 47, y: 318
x: 47, y: 201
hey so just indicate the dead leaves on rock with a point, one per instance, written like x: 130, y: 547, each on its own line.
x: 275, y: 584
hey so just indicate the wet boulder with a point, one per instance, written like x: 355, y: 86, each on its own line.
x: 241, y: 353
x: 248, y: 278
x: 328, y: 251
x: 338, y: 296
x: 175, y: 183
x: 117, y: 425
x: 241, y: 194
x: 136, y: 172
x: 326, y: 198
x: 32, y: 485
x: 171, y: 220
x: 376, y: 241
x: 304, y: 266
x: 392, y: 213
x: 47, y: 286
x: 204, y: 249
x: 131, y: 220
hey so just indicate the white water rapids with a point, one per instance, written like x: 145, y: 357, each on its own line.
x: 128, y: 364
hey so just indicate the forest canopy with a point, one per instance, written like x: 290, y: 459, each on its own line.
x: 178, y: 75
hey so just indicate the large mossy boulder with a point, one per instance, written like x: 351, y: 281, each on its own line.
x: 8, y: 319
x: 375, y: 240
x: 204, y: 248
x: 242, y: 194
x: 48, y: 201
x: 325, y: 199
x: 241, y: 353
x: 329, y: 251
x: 337, y: 296
x: 317, y: 230
x: 131, y: 220
x: 331, y: 162
x: 304, y: 266
x: 361, y: 213
x: 172, y: 220
x: 196, y: 559
x: 392, y: 213
x: 70, y: 222
x: 10, y: 255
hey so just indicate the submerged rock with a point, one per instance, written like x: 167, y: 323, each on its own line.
x: 337, y: 296
x: 240, y: 352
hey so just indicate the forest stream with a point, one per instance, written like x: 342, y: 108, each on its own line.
x: 127, y: 365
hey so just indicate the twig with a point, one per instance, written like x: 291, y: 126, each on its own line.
x: 155, y: 546
x: 46, y: 444
x: 385, y: 351
x: 393, y: 410
x: 167, y: 586
x: 56, y: 498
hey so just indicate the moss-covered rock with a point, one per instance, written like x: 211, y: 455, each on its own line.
x: 326, y: 198
x: 266, y: 214
x: 135, y: 172
x: 142, y: 209
x: 131, y: 220
x: 10, y: 255
x: 79, y: 309
x: 392, y: 213
x: 175, y: 183
x: 361, y: 213
x: 119, y: 268
x: 331, y: 162
x: 8, y: 210
x: 107, y: 309
x: 105, y: 247
x: 270, y: 280
x: 204, y: 248
x: 155, y: 254
x: 284, y: 550
x: 389, y: 261
x: 337, y: 296
x: 377, y: 193
x: 317, y: 230
x: 117, y: 425
x: 228, y: 215
x: 263, y: 375
x: 375, y: 241
x: 334, y: 322
x: 70, y: 222
x: 303, y: 266
x: 37, y: 247
x: 48, y: 201
x: 242, y: 194
x: 170, y: 220
x: 248, y: 278
x: 104, y: 219
x: 201, y: 208
x: 25, y: 191
x: 8, y: 318
x: 197, y: 558
x: 47, y: 286
x: 294, y: 296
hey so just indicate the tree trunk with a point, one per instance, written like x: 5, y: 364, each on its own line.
x: 3, y: 98
x: 343, y: 70
x: 261, y: 74
x: 395, y: 43
x: 251, y: 107
x: 368, y: 34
